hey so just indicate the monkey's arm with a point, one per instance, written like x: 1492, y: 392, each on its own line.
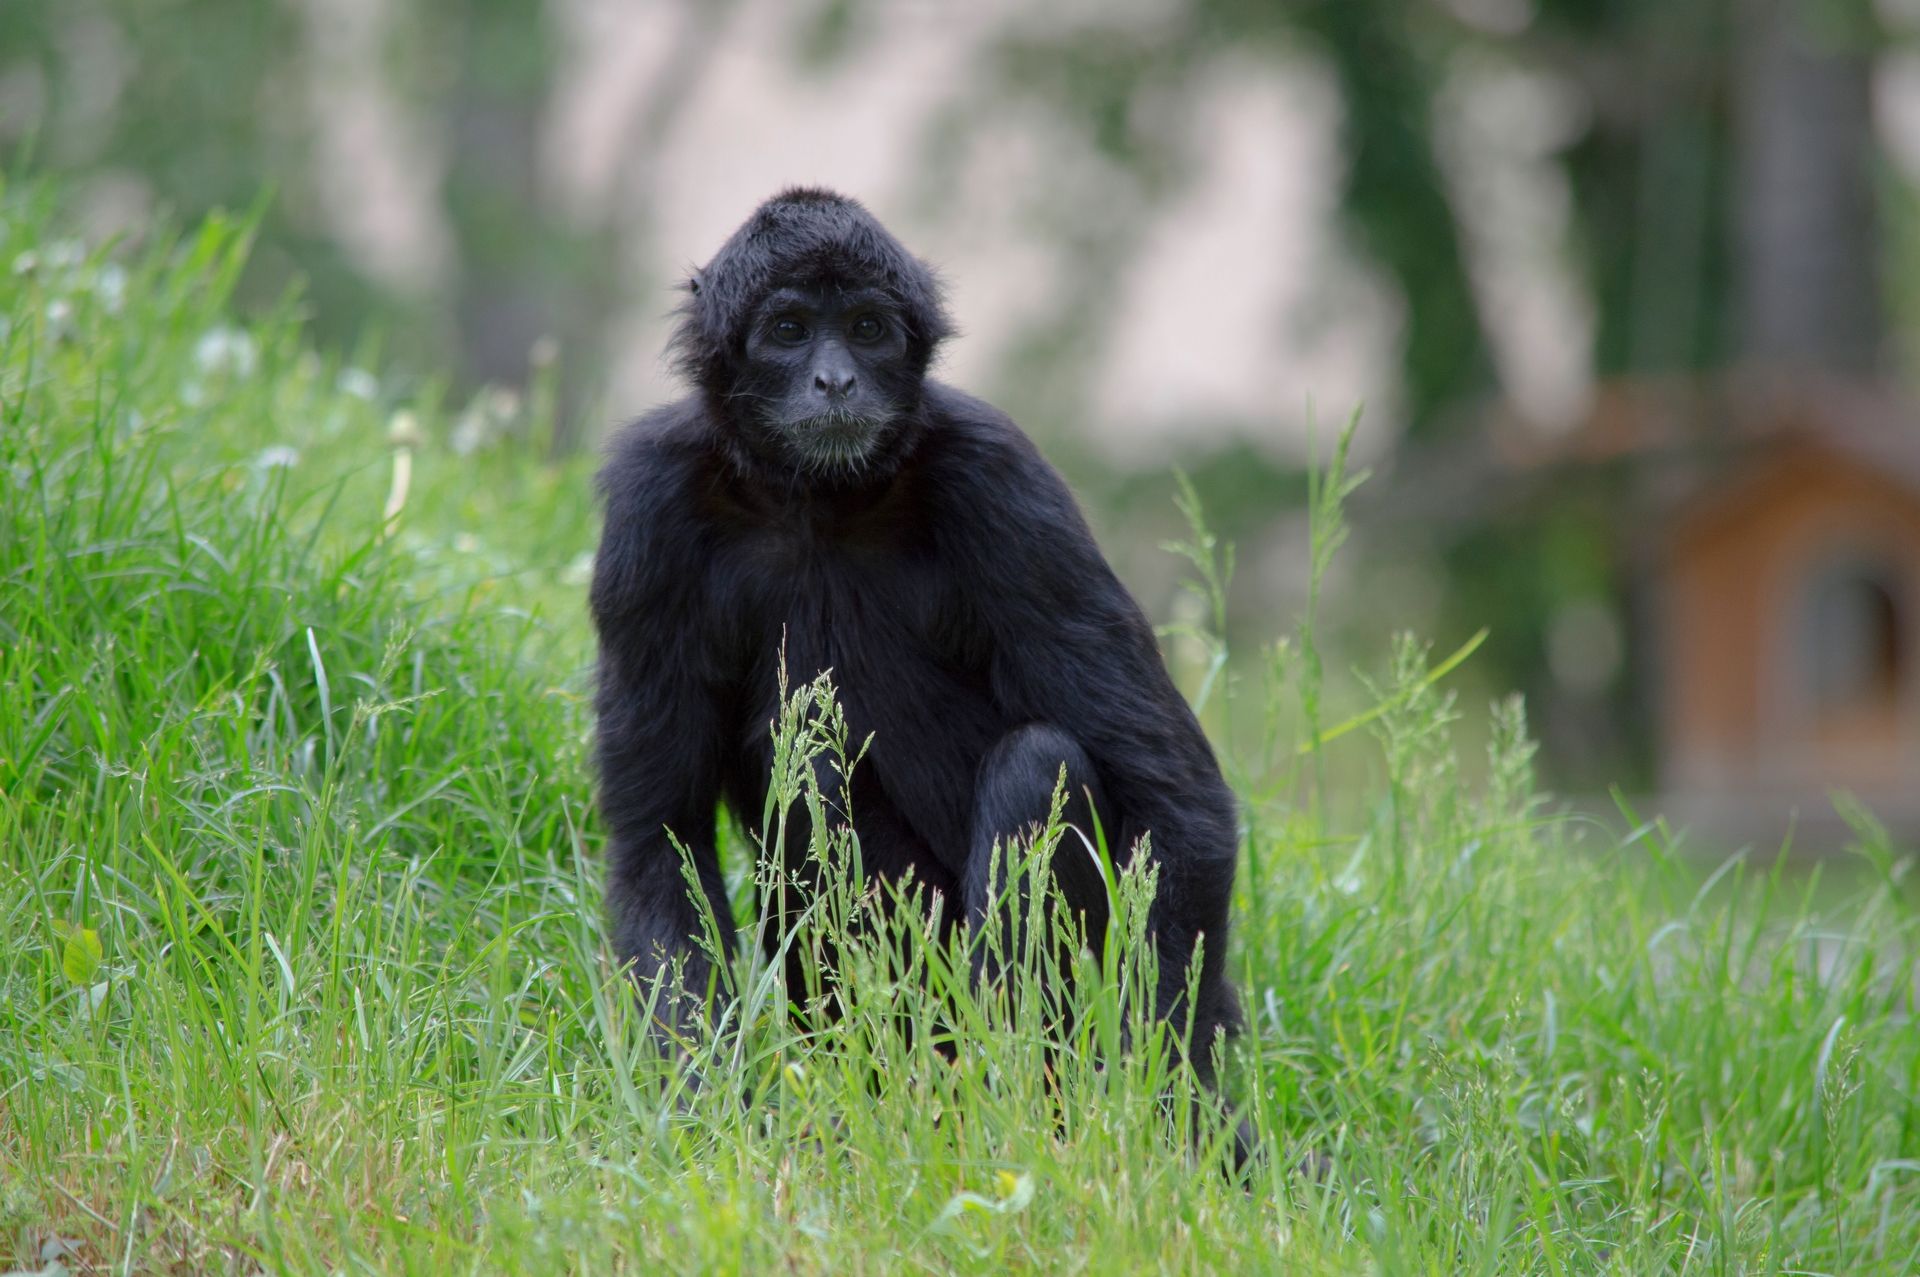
x: 1073, y: 649
x: 1079, y: 653
x: 658, y: 737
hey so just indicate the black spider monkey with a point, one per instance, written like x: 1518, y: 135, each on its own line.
x: 818, y: 490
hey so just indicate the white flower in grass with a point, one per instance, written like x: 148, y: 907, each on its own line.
x: 403, y: 430
x: 26, y: 263
x: 226, y: 350
x: 490, y: 416
x: 278, y: 457
x: 59, y: 319
x: 110, y: 286
x: 359, y: 383
x: 580, y: 571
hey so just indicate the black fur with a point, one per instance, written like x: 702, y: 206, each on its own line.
x: 948, y: 581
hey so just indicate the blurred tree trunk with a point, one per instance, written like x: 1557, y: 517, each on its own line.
x: 1725, y: 194
x: 1652, y: 178
x: 527, y: 278
x: 492, y: 192
x: 1395, y: 198
x: 600, y: 275
x: 1805, y: 223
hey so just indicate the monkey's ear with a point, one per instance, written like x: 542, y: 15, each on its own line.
x: 693, y: 283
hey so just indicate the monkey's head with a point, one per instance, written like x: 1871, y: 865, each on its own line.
x: 810, y: 332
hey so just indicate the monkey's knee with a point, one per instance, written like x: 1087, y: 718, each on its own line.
x: 1013, y: 799
x: 1018, y: 778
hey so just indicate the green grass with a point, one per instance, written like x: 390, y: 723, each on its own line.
x: 302, y: 968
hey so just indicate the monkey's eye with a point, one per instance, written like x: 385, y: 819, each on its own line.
x: 867, y: 328
x: 790, y: 332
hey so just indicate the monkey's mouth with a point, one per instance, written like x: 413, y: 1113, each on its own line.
x: 836, y: 439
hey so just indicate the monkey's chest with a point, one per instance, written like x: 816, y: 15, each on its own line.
x: 910, y: 669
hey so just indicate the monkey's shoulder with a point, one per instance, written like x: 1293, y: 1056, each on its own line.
x: 649, y: 480
x: 967, y: 428
x: 656, y: 465
x: 981, y: 461
x: 1003, y: 516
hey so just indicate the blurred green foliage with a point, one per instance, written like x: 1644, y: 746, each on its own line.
x: 193, y: 105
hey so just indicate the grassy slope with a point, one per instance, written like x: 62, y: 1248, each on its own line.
x: 301, y: 965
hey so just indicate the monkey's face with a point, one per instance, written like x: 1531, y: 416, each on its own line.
x: 826, y: 376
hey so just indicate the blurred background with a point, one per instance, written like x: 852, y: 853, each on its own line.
x: 1627, y: 292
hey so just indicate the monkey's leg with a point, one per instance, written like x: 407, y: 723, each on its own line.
x: 1012, y: 798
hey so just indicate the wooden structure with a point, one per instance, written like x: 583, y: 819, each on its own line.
x: 1786, y: 609
x: 1772, y: 558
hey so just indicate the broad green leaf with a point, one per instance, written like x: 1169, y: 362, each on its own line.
x: 80, y: 955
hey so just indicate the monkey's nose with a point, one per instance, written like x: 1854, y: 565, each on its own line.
x: 835, y: 382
